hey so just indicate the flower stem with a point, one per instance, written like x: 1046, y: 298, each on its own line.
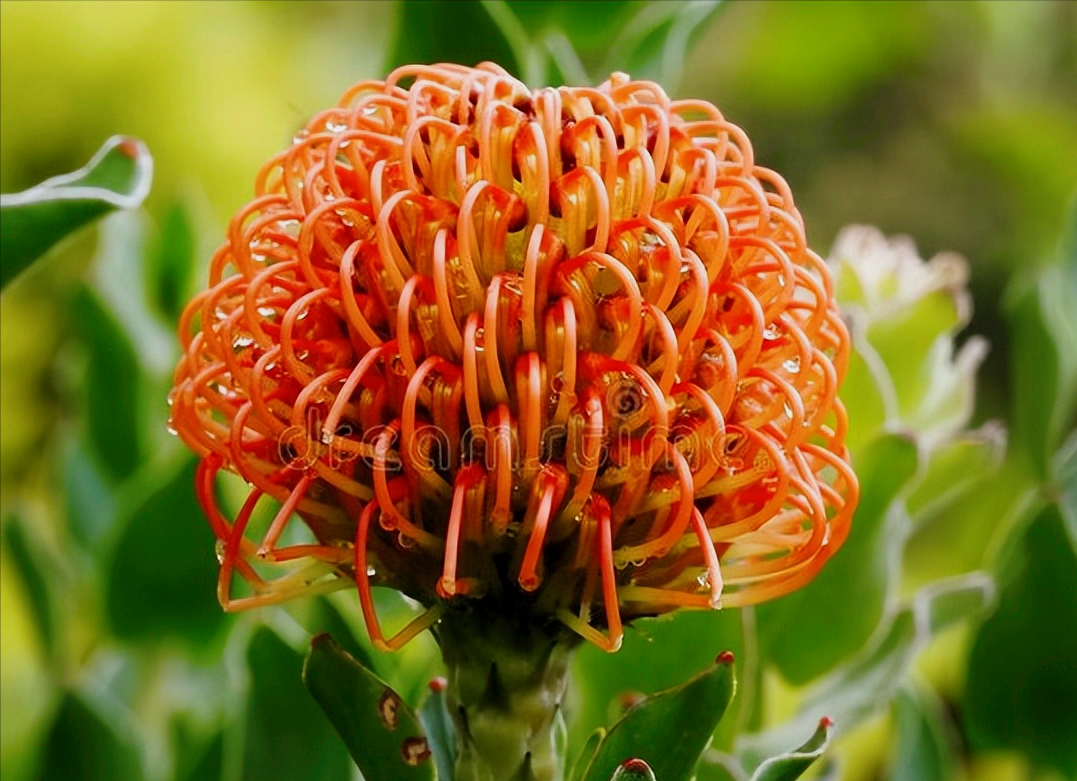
x: 507, y: 673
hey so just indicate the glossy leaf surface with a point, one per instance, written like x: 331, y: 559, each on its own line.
x: 381, y: 731
x: 668, y: 730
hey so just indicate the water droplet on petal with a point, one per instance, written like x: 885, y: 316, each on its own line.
x: 219, y: 548
x: 792, y: 365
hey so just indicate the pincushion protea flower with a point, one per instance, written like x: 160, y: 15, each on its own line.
x: 528, y: 357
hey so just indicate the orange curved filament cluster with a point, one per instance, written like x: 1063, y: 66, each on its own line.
x: 568, y: 344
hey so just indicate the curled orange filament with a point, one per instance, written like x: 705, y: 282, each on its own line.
x: 478, y: 340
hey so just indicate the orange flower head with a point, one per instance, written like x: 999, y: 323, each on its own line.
x: 564, y: 347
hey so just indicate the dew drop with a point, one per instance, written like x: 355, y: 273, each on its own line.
x: 792, y: 365
x: 267, y: 312
x: 300, y: 136
x: 334, y: 127
x: 771, y: 333
x: 219, y: 548
x: 370, y: 571
x: 290, y: 227
x: 171, y: 429
x: 242, y: 342
x: 704, y: 579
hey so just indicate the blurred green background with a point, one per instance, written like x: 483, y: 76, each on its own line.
x: 954, y: 123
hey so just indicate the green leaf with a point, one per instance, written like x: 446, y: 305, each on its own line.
x: 797, y: 632
x: 668, y: 730
x: 1021, y: 692
x: 956, y: 467
x: 27, y: 553
x: 31, y: 222
x: 28, y: 689
x: 440, y: 732
x: 587, y: 754
x: 89, y: 503
x: 656, y: 41
x: 642, y: 665
x: 209, y: 764
x: 906, y: 339
x: 633, y: 770
x: 791, y: 766
x: 287, y: 737
x: 85, y: 744
x: 163, y: 572
x: 1065, y: 482
x: 122, y: 278
x: 171, y: 262
x: 382, y: 733
x: 923, y: 750
x: 1043, y: 323
x: 860, y: 688
x: 863, y: 392
x: 111, y: 386
x: 433, y: 31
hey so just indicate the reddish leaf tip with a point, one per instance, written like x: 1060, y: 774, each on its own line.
x: 128, y: 147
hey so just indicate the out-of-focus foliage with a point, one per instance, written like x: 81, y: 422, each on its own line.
x: 950, y: 122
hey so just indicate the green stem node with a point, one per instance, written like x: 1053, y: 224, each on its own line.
x: 507, y: 673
